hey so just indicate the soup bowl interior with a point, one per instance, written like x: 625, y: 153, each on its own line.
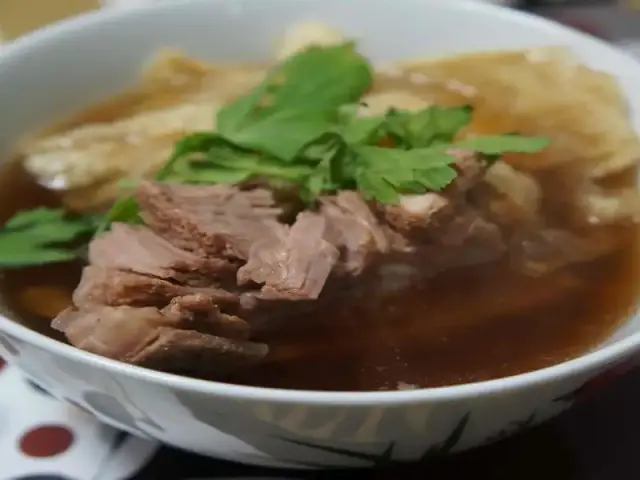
x: 63, y: 68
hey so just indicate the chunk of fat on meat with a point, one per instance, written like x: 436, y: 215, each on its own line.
x: 306, y: 34
x: 424, y: 204
x: 418, y: 213
x: 131, y: 147
x: 379, y: 103
x: 415, y: 211
x: 519, y: 188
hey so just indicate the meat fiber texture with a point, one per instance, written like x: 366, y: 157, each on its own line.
x: 212, y: 265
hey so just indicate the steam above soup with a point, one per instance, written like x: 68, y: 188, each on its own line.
x: 323, y: 224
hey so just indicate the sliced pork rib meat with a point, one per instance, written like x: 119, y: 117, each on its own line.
x: 421, y: 217
x: 188, y: 351
x: 113, y: 287
x: 292, y: 262
x: 170, y: 294
x: 115, y: 332
x: 352, y: 227
x: 471, y: 170
x: 138, y: 249
x: 109, y: 286
x: 218, y: 221
x: 435, y: 231
x: 156, y: 338
x: 467, y: 239
x: 206, y: 316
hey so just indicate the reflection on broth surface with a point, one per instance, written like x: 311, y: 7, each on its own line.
x: 503, y: 268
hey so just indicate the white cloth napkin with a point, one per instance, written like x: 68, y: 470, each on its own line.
x: 41, y: 437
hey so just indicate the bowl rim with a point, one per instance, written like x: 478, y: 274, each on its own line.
x: 594, y: 360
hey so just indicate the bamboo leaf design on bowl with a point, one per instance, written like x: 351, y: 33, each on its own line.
x: 513, y: 429
x: 376, y: 460
x: 385, y: 458
x: 449, y: 443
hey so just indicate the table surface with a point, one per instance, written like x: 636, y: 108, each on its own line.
x: 596, y: 440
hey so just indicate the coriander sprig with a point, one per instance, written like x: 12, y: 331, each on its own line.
x: 299, y: 127
x: 40, y: 236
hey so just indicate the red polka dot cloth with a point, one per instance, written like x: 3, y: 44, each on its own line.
x: 42, y: 438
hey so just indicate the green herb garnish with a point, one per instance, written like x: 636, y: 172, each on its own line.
x: 40, y: 236
x: 300, y: 127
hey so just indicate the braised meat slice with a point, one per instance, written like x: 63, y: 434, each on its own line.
x: 216, y: 264
x: 220, y: 221
x: 207, y: 317
x: 471, y: 170
x: 139, y: 249
x: 187, y: 351
x: 467, y: 239
x: 352, y: 227
x: 292, y: 262
x: 422, y: 216
x: 109, y: 286
x: 161, y: 339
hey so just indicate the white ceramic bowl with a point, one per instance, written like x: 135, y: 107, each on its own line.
x: 64, y: 67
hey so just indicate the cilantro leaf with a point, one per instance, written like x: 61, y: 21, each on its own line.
x: 329, y: 155
x: 199, y: 142
x: 296, y: 101
x: 208, y: 174
x: 433, y: 125
x: 501, y: 144
x: 282, y: 133
x: 320, y: 78
x: 375, y: 187
x: 38, y: 236
x: 17, y: 255
x: 123, y: 210
x: 253, y: 164
x: 300, y: 126
x: 233, y: 117
x: 26, y: 218
x: 358, y: 130
x: 406, y: 171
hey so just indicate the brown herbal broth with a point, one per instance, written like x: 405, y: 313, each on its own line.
x: 465, y: 325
